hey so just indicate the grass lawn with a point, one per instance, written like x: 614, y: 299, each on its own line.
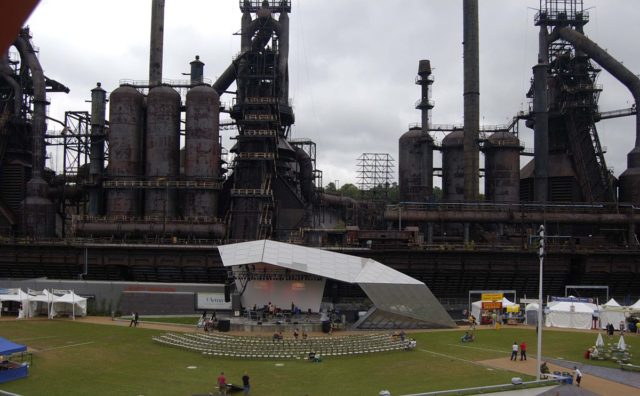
x: 75, y: 358
x: 191, y: 320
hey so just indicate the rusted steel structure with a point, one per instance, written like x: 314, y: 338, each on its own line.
x: 132, y: 181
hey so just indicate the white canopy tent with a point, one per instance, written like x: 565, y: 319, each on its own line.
x: 611, y: 312
x: 41, y: 303
x: 571, y: 315
x: 69, y: 303
x: 611, y: 304
x: 635, y: 306
x: 476, y: 307
x: 17, y: 295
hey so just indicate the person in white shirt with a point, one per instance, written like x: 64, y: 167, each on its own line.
x: 578, y: 375
x: 514, y: 351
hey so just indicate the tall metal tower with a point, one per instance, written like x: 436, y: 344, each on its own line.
x: 271, y: 179
x: 375, y: 173
x: 572, y: 111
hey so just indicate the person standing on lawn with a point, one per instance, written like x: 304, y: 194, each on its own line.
x: 514, y: 351
x: 523, y: 351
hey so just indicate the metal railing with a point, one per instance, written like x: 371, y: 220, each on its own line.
x: 161, y: 184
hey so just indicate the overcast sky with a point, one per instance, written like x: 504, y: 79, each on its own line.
x: 352, y: 63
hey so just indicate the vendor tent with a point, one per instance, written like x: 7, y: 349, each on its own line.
x: 611, y: 312
x: 12, y: 372
x: 70, y: 304
x: 531, y: 314
x: 635, y: 306
x: 569, y: 314
x: 40, y: 304
x: 611, y: 303
x: 19, y: 296
x: 476, y: 307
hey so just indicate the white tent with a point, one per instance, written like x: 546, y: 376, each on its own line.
x: 71, y: 304
x: 476, y: 307
x: 611, y: 303
x: 573, y: 315
x: 41, y: 303
x: 19, y: 296
x: 635, y: 306
x: 611, y: 312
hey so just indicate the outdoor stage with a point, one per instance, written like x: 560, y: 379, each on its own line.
x: 310, y: 323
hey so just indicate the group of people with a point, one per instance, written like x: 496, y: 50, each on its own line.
x: 208, y: 323
x: 223, y: 385
x: 522, y: 348
x: 611, y: 329
x: 544, y: 369
x: 278, y: 336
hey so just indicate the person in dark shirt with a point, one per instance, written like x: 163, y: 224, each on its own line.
x: 246, y: 388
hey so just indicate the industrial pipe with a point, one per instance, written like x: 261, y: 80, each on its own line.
x: 207, y: 231
x: 617, y: 70
x: 39, y: 214
x: 229, y: 75
x: 156, y: 43
x: 459, y: 216
x: 471, y: 95
x: 306, y: 173
x: 96, y: 166
x: 541, y: 119
x: 283, y: 58
x: 7, y: 73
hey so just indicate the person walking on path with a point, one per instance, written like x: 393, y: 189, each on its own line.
x: 222, y: 384
x: 514, y: 351
x: 134, y: 319
x: 523, y: 351
x: 578, y: 375
x: 246, y: 388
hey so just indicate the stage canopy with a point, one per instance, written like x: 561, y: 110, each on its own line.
x: 398, y: 298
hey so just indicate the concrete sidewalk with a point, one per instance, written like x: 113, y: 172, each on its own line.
x: 590, y: 381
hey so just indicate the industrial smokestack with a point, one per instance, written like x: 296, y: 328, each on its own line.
x: 197, y: 71
x: 156, y: 43
x: 471, y: 100
x: 425, y: 105
x: 541, y: 119
x: 96, y: 166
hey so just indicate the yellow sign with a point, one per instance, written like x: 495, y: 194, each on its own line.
x: 491, y: 305
x: 492, y: 296
x: 513, y: 308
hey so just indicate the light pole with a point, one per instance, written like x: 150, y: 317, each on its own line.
x: 541, y: 255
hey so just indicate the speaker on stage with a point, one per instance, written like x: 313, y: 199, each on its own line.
x: 227, y: 293
x: 224, y: 325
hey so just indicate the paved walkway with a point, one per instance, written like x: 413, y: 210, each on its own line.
x: 591, y: 377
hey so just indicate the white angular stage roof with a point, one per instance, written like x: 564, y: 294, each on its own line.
x: 342, y: 267
x: 391, y: 291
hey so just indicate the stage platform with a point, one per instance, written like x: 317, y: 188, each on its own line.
x: 309, y: 323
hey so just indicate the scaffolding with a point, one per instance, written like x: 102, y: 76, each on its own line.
x: 375, y: 174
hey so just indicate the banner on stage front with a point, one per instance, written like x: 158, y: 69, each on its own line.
x: 492, y: 296
x: 211, y: 301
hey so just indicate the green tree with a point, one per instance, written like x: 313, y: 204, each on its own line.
x: 330, y: 188
x: 349, y: 190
